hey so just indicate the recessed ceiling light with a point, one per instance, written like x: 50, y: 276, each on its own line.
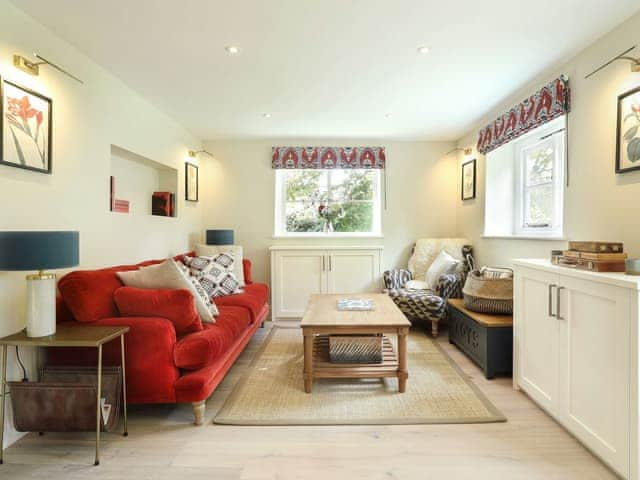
x: 387, y: 115
x: 423, y: 50
x: 232, y: 49
x: 266, y: 115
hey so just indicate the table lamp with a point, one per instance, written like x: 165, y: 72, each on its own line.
x: 219, y: 237
x: 24, y: 251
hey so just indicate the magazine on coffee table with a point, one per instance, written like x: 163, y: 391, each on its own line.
x: 356, y: 304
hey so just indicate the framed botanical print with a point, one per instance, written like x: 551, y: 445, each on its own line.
x: 191, y: 182
x: 469, y: 180
x: 628, y: 132
x: 25, y: 121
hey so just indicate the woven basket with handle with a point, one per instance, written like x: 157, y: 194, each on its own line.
x: 486, y: 292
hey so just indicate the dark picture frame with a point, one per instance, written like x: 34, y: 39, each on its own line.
x: 628, y: 132
x: 23, y: 126
x: 468, y: 168
x: 190, y: 182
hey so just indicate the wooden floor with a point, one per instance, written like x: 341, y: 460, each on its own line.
x: 162, y: 444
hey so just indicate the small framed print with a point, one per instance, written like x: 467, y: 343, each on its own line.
x: 191, y: 182
x: 628, y: 132
x: 25, y: 121
x: 469, y: 180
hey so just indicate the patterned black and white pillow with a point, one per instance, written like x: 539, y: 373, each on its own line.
x: 214, y: 274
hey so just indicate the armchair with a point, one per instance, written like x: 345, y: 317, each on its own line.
x: 428, y: 305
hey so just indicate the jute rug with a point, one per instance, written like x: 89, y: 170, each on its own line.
x: 271, y: 392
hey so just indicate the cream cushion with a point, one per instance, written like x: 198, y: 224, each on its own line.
x: 427, y: 249
x: 443, y: 264
x: 234, y: 250
x: 169, y: 275
x: 416, y: 285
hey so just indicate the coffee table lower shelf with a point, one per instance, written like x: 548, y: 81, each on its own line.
x: 323, y: 368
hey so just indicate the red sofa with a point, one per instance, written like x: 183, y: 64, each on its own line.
x: 162, y: 367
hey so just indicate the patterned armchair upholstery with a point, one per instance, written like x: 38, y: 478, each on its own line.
x: 428, y: 305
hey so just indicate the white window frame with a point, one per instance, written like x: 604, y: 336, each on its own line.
x: 556, y: 132
x: 281, y: 207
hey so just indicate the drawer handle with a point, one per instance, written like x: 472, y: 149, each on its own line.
x: 558, y: 316
x: 551, y: 287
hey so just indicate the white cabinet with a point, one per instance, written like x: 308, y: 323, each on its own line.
x: 299, y: 272
x: 576, y: 355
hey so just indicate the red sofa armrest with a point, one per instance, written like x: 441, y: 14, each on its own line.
x: 246, y: 267
x: 149, y: 344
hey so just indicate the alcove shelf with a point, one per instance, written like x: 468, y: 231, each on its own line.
x: 136, y: 178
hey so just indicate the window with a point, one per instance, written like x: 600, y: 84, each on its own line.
x: 525, y: 184
x: 335, y: 202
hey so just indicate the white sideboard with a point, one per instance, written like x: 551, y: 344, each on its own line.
x: 576, y: 354
x: 299, y: 272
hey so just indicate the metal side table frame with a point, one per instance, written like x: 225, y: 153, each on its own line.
x: 67, y: 336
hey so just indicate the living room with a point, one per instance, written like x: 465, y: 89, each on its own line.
x: 321, y: 155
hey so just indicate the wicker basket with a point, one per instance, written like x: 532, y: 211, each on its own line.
x: 488, y: 295
x: 355, y: 349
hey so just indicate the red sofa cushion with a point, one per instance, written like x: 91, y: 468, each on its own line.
x: 200, y: 349
x: 254, y: 298
x: 175, y: 305
x: 89, y: 294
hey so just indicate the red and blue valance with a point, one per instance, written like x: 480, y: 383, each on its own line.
x: 327, y: 157
x: 548, y: 103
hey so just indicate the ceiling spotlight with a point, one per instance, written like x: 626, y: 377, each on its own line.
x: 423, y: 50
x: 387, y: 115
x: 266, y: 115
x: 232, y: 49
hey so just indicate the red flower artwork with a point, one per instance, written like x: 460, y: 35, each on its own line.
x: 20, y: 114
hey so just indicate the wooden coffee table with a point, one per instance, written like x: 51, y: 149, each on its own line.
x: 322, y: 319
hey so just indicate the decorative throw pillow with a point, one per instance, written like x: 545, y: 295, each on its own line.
x: 234, y: 250
x: 215, y: 274
x: 176, y: 306
x: 443, y: 264
x: 168, y: 275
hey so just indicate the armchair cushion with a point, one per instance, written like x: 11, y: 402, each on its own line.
x: 427, y: 249
x: 418, y: 304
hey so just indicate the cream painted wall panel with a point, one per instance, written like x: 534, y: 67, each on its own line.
x: 87, y: 119
x: 240, y: 190
x: 599, y: 205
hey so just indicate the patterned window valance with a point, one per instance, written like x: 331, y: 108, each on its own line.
x: 548, y: 103
x: 327, y: 157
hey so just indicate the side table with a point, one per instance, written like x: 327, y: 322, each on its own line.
x: 68, y: 336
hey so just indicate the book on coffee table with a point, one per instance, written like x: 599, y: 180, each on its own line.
x: 357, y: 304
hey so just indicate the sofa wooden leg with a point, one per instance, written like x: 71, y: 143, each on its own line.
x: 434, y: 328
x: 198, y: 412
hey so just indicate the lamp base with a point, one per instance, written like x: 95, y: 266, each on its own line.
x: 41, y: 304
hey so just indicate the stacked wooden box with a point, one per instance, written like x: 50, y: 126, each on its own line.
x: 593, y: 256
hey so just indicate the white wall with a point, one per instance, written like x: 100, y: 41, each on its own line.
x: 87, y: 119
x: 599, y: 205
x: 240, y: 194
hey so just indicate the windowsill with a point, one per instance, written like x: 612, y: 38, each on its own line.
x: 525, y: 237
x: 315, y: 236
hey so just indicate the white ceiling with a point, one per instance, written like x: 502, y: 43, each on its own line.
x: 328, y: 68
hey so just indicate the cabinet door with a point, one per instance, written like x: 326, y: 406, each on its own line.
x: 353, y: 271
x: 536, y: 334
x: 296, y: 275
x: 594, y: 367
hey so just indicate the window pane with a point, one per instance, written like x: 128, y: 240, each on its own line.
x: 349, y: 185
x: 303, y: 217
x: 351, y: 216
x: 539, y: 164
x: 539, y: 206
x: 307, y: 185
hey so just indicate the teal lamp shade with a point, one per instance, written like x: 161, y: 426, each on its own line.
x: 219, y: 237
x: 38, y: 250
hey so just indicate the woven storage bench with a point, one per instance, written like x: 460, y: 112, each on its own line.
x: 360, y: 349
